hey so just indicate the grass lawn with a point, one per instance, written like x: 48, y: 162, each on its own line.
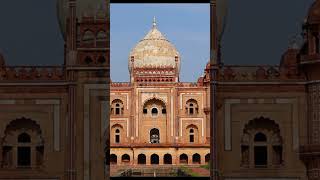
x: 207, y: 166
x: 189, y: 171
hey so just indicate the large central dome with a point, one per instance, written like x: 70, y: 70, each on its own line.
x: 154, y: 51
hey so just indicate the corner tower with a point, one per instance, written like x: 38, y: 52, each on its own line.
x: 310, y: 65
x: 85, y: 26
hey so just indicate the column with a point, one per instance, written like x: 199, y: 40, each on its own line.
x: 175, y: 157
x: 14, y: 156
x: 118, y: 159
x: 161, y: 156
x: 135, y: 158
x: 148, y: 161
x: 269, y: 155
x: 33, y: 156
x: 189, y: 159
x: 251, y: 156
x: 131, y: 129
x: 203, y: 159
x: 1, y: 155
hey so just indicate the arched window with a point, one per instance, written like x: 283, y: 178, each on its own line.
x: 23, y: 141
x: 125, y: 159
x: 207, y: 158
x: 24, y: 151
x: 192, y: 107
x: 118, y: 110
x: 142, y: 159
x: 154, y: 111
x: 196, y: 158
x: 154, y: 107
x: 117, y: 136
x: 88, y: 37
x: 191, y: 110
x: 101, y: 39
x: 191, y: 136
x: 261, y: 140
x: 167, y: 159
x: 183, y: 159
x: 117, y: 107
x: 101, y: 36
x: 113, y: 159
x: 154, y: 136
x: 154, y: 159
x: 260, y: 150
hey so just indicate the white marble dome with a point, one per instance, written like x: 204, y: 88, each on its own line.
x: 154, y: 50
x: 92, y: 8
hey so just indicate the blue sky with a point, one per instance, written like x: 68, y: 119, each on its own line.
x: 186, y: 26
x: 257, y: 32
x: 30, y: 33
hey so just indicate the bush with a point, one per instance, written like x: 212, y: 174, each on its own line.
x: 189, y: 171
x: 207, y: 166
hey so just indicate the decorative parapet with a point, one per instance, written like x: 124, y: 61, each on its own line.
x: 32, y: 73
x: 187, y: 84
x: 310, y: 58
x: 259, y: 73
x: 309, y: 150
x: 155, y: 71
x: 120, y: 84
x: 154, y: 80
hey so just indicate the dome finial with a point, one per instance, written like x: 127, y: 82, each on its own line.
x: 154, y: 22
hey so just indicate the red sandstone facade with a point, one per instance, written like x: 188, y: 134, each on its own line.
x: 155, y: 118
